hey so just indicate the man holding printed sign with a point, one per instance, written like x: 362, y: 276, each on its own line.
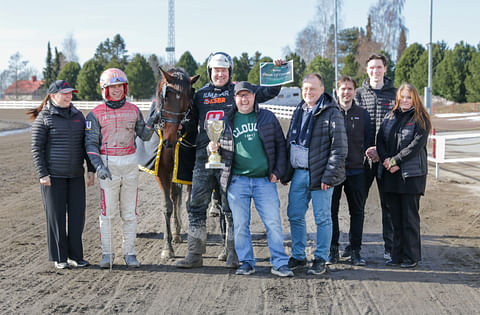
x: 212, y: 102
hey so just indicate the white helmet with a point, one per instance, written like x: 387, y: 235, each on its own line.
x: 112, y: 76
x: 219, y: 60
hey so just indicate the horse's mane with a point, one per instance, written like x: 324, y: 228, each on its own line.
x: 181, y: 82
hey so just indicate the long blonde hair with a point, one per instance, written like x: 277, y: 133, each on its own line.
x: 420, y: 114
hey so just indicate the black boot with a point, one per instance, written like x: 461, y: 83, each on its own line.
x: 357, y: 259
x: 334, y: 256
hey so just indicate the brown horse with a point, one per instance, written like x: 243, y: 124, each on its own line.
x: 173, y: 101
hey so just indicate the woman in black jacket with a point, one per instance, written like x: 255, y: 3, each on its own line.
x: 58, y: 151
x: 401, y: 145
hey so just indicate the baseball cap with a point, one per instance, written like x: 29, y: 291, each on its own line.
x: 60, y: 86
x: 244, y: 86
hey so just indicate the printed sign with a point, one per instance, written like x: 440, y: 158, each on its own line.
x: 271, y: 75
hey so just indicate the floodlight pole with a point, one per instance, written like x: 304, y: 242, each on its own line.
x: 336, y: 52
x: 428, y: 89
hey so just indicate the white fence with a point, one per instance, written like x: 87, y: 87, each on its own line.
x: 79, y: 105
x: 283, y: 112
x: 439, y: 150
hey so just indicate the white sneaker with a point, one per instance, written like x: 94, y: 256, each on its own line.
x: 387, y: 256
x: 61, y: 265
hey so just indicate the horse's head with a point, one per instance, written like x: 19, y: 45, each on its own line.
x: 174, y: 98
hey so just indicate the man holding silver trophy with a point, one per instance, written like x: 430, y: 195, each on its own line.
x: 253, y: 150
x: 211, y: 103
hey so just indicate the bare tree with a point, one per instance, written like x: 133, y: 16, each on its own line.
x: 5, y: 80
x: 313, y: 40
x: 18, y: 69
x: 69, y: 48
x: 387, y: 24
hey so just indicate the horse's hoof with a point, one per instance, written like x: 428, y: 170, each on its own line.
x: 166, y: 255
x: 176, y: 239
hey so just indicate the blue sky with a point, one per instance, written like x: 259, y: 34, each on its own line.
x: 204, y: 26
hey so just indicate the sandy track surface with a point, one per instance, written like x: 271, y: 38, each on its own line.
x: 447, y: 281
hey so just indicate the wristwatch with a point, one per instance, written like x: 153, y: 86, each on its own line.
x: 392, y: 162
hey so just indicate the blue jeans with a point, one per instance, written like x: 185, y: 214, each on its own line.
x: 298, y: 199
x: 264, y: 193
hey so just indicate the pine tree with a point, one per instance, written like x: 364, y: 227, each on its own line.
x: 88, y: 81
x: 419, y: 72
x: 325, y: 68
x: 449, y: 79
x: 70, y: 73
x: 241, y: 67
x: 48, y: 70
x: 57, y: 64
x: 299, y: 67
x: 472, y: 81
x: 141, y: 81
x: 404, y: 66
x: 254, y: 74
x: 188, y: 63
x: 350, y: 67
x: 202, y: 71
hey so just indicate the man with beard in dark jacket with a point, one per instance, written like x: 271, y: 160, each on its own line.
x: 377, y: 95
x: 212, y: 102
x: 253, y: 150
x: 317, y: 149
x: 357, y: 125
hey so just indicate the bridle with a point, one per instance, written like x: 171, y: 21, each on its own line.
x: 177, y: 118
x: 161, y: 103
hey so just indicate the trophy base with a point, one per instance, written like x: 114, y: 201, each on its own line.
x: 214, y: 165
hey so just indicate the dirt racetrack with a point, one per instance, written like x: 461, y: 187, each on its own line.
x: 446, y: 282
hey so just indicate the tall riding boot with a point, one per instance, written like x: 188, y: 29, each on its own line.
x: 197, y: 237
x: 232, y: 258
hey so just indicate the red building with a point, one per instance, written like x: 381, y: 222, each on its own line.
x: 25, y: 90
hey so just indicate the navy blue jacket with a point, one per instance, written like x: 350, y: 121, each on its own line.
x: 359, y: 136
x: 270, y: 133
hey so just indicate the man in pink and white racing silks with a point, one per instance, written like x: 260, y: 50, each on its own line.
x: 110, y: 142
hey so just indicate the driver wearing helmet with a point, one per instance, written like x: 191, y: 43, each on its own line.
x: 110, y: 142
x: 212, y: 102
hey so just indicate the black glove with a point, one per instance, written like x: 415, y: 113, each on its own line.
x: 103, y: 172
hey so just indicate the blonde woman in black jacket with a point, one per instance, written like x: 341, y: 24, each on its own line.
x: 401, y: 145
x: 58, y: 151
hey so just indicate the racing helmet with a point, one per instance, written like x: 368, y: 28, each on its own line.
x: 113, y: 76
x: 220, y: 60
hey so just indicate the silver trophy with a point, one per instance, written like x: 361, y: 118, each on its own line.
x: 214, y: 131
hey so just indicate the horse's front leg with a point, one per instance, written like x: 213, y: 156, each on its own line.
x: 167, y: 251
x: 177, y: 218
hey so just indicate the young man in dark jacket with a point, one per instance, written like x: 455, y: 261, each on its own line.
x: 359, y: 135
x: 316, y: 148
x: 377, y: 95
x: 253, y: 150
x: 212, y: 102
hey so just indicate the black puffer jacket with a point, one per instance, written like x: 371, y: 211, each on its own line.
x: 379, y: 103
x: 58, y: 145
x: 271, y: 135
x: 328, y: 146
x: 400, y: 137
